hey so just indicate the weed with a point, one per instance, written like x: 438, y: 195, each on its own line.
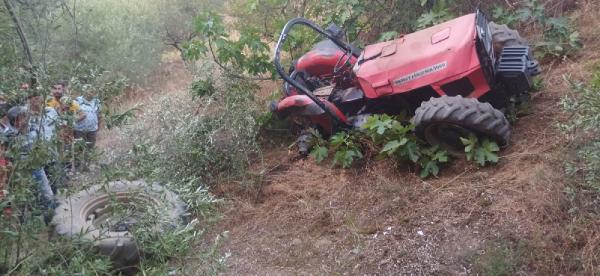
x: 582, y: 128
x: 504, y: 16
x: 430, y: 159
x: 480, y: 151
x: 202, y: 87
x: 497, y: 260
x: 559, y: 38
x: 346, y: 147
x: 386, y: 36
x: 318, y: 146
x: 438, y: 14
x: 389, y: 136
x: 397, y: 140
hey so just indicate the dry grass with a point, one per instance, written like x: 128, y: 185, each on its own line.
x: 166, y: 89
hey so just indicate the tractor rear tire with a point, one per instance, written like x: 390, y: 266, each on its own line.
x: 503, y: 36
x: 74, y: 217
x: 442, y: 121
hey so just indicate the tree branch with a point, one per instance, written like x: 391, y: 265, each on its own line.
x: 229, y: 70
x: 22, y: 37
x: 73, y: 15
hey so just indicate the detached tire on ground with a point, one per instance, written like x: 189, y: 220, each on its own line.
x: 442, y: 121
x: 88, y: 215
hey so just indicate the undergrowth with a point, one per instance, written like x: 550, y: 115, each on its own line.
x: 582, y: 128
x: 582, y: 167
x: 559, y: 37
x: 390, y: 137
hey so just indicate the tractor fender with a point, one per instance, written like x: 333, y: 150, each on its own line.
x: 299, y: 104
x: 303, y: 105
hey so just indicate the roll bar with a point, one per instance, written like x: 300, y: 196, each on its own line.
x: 301, y: 88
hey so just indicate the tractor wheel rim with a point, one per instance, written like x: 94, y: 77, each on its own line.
x: 447, y: 136
x: 122, y: 214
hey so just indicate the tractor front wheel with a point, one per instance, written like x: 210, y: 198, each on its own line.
x: 503, y: 36
x: 443, y: 121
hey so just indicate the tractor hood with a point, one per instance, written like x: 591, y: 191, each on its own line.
x: 418, y: 59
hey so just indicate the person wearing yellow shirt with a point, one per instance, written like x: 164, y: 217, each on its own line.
x: 70, y: 113
x: 58, y: 91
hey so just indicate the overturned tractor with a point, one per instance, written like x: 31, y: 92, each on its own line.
x: 455, y: 79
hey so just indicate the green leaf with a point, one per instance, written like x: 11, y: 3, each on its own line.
x: 340, y: 158
x: 338, y: 139
x: 480, y: 157
x: 412, y: 151
x: 431, y: 168
x: 490, y: 146
x: 391, y: 147
x: 385, y: 36
x: 319, y: 153
x: 382, y: 126
x: 441, y: 156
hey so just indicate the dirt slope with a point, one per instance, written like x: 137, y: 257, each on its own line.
x: 378, y: 217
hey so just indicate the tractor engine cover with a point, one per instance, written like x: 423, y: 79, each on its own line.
x: 430, y: 57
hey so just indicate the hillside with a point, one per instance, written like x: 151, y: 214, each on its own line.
x: 515, y: 217
x: 220, y: 188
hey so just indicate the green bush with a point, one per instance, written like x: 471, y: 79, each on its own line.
x: 346, y: 147
x: 582, y: 128
x: 559, y: 37
x: 480, y: 151
x: 393, y: 138
x: 397, y: 140
x: 439, y: 13
x: 387, y: 135
x: 195, y: 144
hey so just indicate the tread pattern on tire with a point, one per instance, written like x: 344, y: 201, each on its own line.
x: 466, y: 112
x: 503, y: 36
x: 69, y: 218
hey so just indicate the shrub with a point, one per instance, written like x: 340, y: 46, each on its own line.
x: 559, y: 37
x: 393, y: 138
x: 439, y: 13
x: 389, y: 136
x: 198, y: 143
x: 582, y: 128
x: 347, y: 148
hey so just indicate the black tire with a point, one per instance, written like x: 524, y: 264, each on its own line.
x: 74, y: 217
x: 503, y: 36
x: 459, y: 116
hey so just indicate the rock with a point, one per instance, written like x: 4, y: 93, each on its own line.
x: 296, y: 242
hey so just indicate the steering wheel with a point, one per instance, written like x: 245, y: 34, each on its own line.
x: 340, y: 65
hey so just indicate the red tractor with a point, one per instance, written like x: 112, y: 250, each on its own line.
x: 456, y: 78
